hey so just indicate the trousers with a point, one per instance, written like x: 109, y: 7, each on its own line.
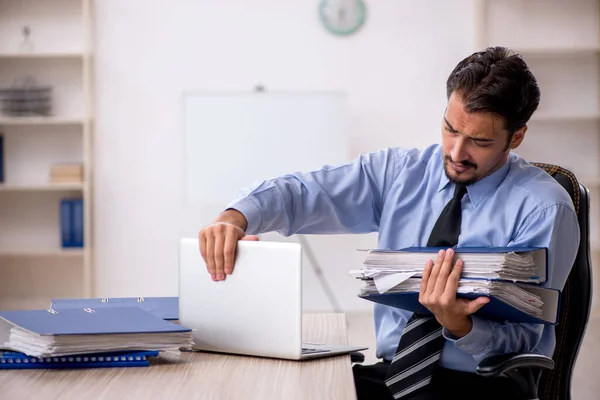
x: 445, y: 384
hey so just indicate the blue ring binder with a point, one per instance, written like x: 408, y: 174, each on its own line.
x: 15, y: 360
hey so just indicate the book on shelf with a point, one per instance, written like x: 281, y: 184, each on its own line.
x: 511, y: 277
x: 1, y: 157
x: 71, y: 223
x: 66, y: 173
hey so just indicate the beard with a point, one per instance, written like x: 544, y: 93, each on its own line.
x: 466, y: 181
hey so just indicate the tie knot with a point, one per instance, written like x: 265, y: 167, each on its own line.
x: 460, y: 190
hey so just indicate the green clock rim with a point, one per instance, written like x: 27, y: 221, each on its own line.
x: 343, y: 32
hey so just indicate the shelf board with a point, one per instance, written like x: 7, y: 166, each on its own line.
x: 14, y: 121
x: 24, y: 303
x: 548, y: 117
x: 42, y: 56
x: 556, y: 51
x: 590, y: 181
x: 47, y: 187
x: 49, y: 252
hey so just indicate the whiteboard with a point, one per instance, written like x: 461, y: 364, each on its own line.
x: 233, y: 140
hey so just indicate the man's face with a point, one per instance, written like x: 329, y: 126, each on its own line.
x: 474, y: 145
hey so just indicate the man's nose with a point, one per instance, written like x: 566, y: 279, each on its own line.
x: 458, y: 152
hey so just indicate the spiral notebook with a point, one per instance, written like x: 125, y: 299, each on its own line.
x: 15, y: 360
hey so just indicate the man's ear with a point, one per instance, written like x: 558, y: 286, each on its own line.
x: 518, y: 137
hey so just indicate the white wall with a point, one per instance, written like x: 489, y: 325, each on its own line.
x: 149, y: 52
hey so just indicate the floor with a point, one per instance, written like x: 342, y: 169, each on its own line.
x: 586, y: 384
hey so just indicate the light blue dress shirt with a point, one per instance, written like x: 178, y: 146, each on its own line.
x: 400, y: 193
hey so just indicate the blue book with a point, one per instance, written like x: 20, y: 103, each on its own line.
x: 493, y: 260
x: 1, y: 158
x: 77, y: 228
x: 67, y: 239
x: 163, y: 307
x: 71, y: 222
x: 497, y: 309
x: 48, y: 333
x: 127, y: 359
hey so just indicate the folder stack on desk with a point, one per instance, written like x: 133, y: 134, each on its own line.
x: 511, y: 277
x: 54, y: 334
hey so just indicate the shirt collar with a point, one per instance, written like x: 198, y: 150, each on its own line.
x: 479, y: 190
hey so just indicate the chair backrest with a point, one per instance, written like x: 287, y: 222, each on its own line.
x: 576, y: 301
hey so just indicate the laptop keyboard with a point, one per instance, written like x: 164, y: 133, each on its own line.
x: 308, y: 350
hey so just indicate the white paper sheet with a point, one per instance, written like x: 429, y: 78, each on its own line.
x: 385, y: 282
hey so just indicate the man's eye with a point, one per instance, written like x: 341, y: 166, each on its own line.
x: 450, y: 131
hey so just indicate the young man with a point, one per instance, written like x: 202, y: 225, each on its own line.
x: 469, y: 191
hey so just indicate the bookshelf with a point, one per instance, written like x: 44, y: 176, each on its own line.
x: 56, y: 50
x: 560, y: 41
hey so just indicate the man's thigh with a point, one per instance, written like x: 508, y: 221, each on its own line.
x: 370, y: 384
x: 369, y: 381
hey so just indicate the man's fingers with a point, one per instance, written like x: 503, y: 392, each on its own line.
x: 426, y: 275
x: 435, y: 272
x: 473, y: 306
x: 229, y: 252
x: 444, y: 272
x: 425, y: 278
x: 454, y: 277
x: 210, y: 259
x: 219, y: 256
x: 251, y: 237
x: 202, y: 243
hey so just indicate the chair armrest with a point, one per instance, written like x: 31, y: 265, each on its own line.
x: 500, y: 363
x: 357, y: 357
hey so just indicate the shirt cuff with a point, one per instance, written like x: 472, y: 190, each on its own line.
x: 252, y: 213
x: 476, y: 340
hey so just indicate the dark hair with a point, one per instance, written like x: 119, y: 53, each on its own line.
x: 496, y: 81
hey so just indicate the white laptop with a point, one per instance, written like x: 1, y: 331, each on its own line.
x: 255, y: 311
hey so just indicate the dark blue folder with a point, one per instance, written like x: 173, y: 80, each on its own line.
x: 163, y: 307
x: 15, y: 360
x: 99, y: 320
x: 496, y: 309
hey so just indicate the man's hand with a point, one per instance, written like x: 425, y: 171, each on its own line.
x: 218, y: 242
x: 438, y: 293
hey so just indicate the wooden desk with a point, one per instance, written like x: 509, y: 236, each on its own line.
x: 201, y: 375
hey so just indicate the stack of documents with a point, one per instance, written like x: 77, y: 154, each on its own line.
x: 523, y: 265
x: 52, y: 333
x: 510, y: 277
x: 512, y: 295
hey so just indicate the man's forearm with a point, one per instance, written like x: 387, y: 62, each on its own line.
x: 490, y: 337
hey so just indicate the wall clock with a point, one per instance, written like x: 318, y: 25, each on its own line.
x: 342, y: 17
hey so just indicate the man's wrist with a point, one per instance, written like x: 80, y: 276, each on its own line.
x: 460, y: 328
x: 233, y: 217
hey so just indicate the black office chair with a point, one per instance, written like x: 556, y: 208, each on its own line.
x: 541, y: 377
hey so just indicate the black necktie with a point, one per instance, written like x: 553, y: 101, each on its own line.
x: 421, y: 342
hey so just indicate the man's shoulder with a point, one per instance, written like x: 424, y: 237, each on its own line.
x: 535, y: 185
x: 408, y: 155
